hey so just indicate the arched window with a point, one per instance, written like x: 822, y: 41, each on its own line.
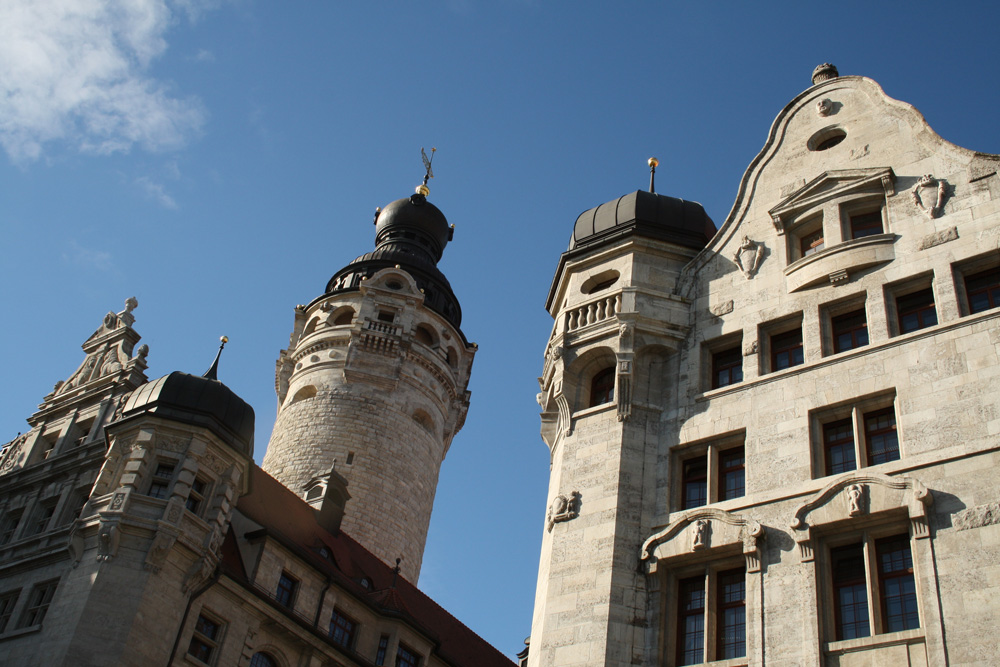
x: 263, y: 660
x: 602, y: 387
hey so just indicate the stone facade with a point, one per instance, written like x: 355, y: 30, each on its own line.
x: 797, y: 402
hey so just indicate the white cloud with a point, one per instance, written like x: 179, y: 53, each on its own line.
x: 87, y: 257
x: 204, y: 56
x: 156, y: 192
x: 77, y: 70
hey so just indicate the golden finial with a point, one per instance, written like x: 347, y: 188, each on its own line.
x: 653, y: 164
x: 422, y: 189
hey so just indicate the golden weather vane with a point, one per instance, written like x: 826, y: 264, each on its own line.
x: 422, y: 188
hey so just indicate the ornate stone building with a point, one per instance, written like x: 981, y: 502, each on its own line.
x: 135, y: 528
x: 777, y: 443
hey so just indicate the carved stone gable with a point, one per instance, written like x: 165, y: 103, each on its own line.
x: 830, y: 185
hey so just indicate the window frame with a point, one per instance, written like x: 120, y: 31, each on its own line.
x: 924, y: 309
x: 195, y: 501
x: 158, y: 481
x: 847, y: 324
x: 39, y: 600
x: 351, y: 632
x: 602, y: 387
x: 712, y: 454
x: 977, y: 267
x: 286, y: 590
x: 992, y: 299
x: 708, y: 576
x: 901, y: 290
x: 42, y: 515
x: 855, y: 413
x: 204, y: 641
x: 9, y: 525
x: 413, y: 659
x: 8, y: 602
x: 802, y: 234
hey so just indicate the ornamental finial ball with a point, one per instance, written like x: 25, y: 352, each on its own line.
x: 653, y: 162
x: 423, y: 190
x: 224, y: 339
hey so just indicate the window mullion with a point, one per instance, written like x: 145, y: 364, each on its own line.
x: 711, y: 613
x: 875, y: 621
x: 860, y: 451
x: 712, y: 471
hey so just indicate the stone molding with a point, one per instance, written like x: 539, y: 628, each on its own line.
x: 856, y: 494
x: 704, y: 529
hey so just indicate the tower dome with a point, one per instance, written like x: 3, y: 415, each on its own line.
x: 647, y: 214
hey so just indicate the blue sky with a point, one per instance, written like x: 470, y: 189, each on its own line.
x: 220, y: 160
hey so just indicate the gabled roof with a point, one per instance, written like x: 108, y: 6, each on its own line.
x: 291, y: 521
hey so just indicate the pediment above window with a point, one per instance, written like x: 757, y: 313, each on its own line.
x: 832, y: 185
x: 704, y: 530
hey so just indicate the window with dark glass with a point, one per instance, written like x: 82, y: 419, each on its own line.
x: 727, y: 367
x: 896, y: 585
x: 732, y: 474
x: 406, y: 657
x: 850, y: 592
x: 285, y: 595
x: 849, y: 330
x: 838, y: 446
x: 880, y: 437
x: 205, y: 639
x: 983, y: 290
x: 162, y: 476
x: 43, y: 515
x: 383, y: 646
x: 694, y: 483
x: 196, y: 495
x: 11, y: 519
x: 866, y: 224
x: 7, y: 602
x: 732, y: 615
x: 916, y: 311
x: 342, y: 629
x: 786, y: 349
x: 38, y: 603
x: 691, y: 621
x: 602, y: 387
x: 811, y: 243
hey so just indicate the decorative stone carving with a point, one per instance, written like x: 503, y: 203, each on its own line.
x: 143, y: 351
x: 855, y: 493
x: 704, y: 529
x: 562, y: 508
x: 626, y: 334
x: 699, y: 534
x: 75, y: 544
x: 723, y: 308
x: 932, y: 190
x: 9, y: 457
x: 107, y: 540
x: 556, y: 353
x: 199, y: 573
x: 824, y: 72
x: 858, y: 153
x: 751, y: 348
x: 158, y: 550
x: 938, y: 238
x: 748, y: 257
x: 789, y: 188
x: 824, y: 107
x: 623, y: 393
x: 117, y: 502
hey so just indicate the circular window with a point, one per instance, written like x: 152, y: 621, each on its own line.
x: 394, y: 284
x: 826, y: 139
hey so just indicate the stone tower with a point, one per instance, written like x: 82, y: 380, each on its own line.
x: 373, y: 384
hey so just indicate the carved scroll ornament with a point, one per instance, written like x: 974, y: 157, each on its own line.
x: 929, y: 194
x: 748, y: 257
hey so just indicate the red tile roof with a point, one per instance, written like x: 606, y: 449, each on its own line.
x: 291, y: 521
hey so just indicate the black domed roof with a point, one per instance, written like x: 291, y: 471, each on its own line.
x: 198, y: 401
x: 410, y: 233
x: 648, y: 214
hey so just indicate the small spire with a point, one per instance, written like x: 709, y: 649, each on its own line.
x: 212, y: 373
x: 653, y: 164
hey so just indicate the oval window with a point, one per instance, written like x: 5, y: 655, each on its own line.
x: 826, y: 139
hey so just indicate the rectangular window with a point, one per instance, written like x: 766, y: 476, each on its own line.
x: 43, y: 515
x: 406, y: 657
x: 732, y: 615
x: 855, y: 435
x: 896, y: 585
x: 811, y: 243
x: 7, y: 602
x: 287, y: 585
x: 196, y: 495
x: 850, y: 592
x: 983, y: 290
x: 342, y: 629
x: 383, y: 646
x: 732, y: 474
x: 694, y: 484
x: 916, y: 311
x: 865, y: 224
x: 786, y: 349
x: 838, y: 445
x: 163, y: 475
x: 849, y: 330
x: 205, y: 640
x: 8, y: 527
x: 691, y: 621
x: 38, y: 603
x: 880, y: 437
x: 879, y: 570
x: 727, y: 367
